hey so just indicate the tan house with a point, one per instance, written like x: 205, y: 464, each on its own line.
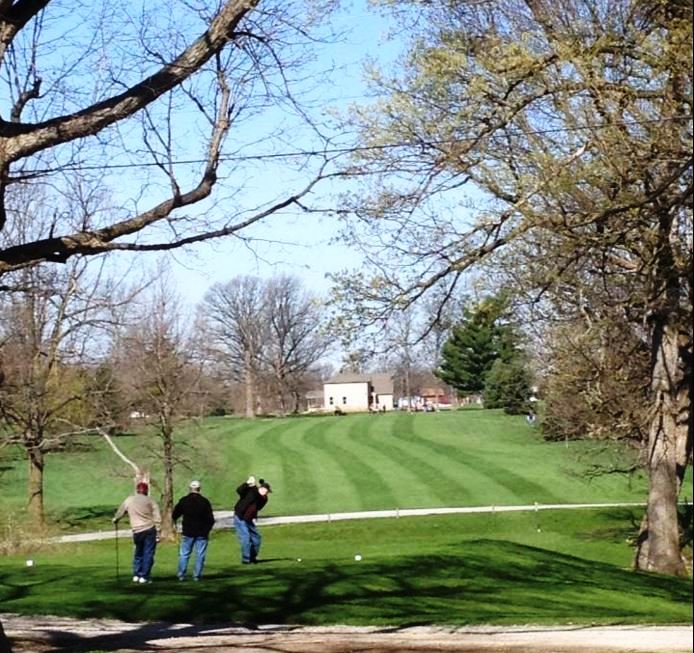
x: 351, y: 393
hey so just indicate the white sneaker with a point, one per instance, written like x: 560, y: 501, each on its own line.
x: 143, y: 580
x: 136, y: 579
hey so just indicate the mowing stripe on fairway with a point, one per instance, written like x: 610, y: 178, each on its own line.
x: 500, y: 475
x: 408, y: 473
x: 299, y: 473
x: 339, y: 485
x: 387, y: 475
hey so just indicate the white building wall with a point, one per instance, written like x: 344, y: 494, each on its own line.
x: 385, y: 400
x: 346, y: 396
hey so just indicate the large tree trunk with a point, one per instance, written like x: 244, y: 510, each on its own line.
x: 249, y: 383
x: 35, y: 487
x: 167, y: 526
x: 669, y: 452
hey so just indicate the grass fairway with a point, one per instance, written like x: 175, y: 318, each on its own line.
x: 554, y: 567
x: 330, y: 464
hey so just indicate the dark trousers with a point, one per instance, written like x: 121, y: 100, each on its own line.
x: 143, y: 556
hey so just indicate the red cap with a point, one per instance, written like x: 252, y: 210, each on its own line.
x: 142, y: 487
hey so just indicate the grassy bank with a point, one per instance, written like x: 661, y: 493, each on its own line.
x: 330, y: 464
x: 550, y: 567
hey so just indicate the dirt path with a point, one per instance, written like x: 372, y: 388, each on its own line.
x: 57, y: 635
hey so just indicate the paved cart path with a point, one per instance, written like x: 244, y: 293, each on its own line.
x: 224, y: 517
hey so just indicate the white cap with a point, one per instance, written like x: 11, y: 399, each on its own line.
x: 195, y: 485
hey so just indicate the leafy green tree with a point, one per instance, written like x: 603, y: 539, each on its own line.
x: 597, y: 382
x: 508, y: 386
x: 552, y: 132
x: 480, y: 339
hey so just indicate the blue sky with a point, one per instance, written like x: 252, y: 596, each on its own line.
x: 290, y: 243
x: 293, y: 243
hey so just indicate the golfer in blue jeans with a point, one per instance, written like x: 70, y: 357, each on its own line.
x: 252, y: 499
x: 198, y: 520
x: 143, y: 555
x: 188, y: 545
x: 145, y: 522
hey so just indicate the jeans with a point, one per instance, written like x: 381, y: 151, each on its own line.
x: 143, y: 556
x: 188, y: 544
x: 249, y: 538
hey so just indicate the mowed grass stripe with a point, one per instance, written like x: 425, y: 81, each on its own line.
x: 472, y: 486
x: 298, y: 471
x: 272, y: 463
x: 510, y: 449
x: 383, y: 477
x: 367, y: 469
x: 244, y: 449
x: 427, y: 485
x: 519, y: 486
x: 340, y: 490
x: 523, y: 489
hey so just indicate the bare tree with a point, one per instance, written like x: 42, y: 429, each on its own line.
x: 49, y: 327
x: 83, y: 79
x: 235, y: 312
x: 160, y: 373
x: 296, y: 340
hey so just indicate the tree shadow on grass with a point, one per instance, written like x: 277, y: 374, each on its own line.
x: 482, y: 581
x: 84, y: 516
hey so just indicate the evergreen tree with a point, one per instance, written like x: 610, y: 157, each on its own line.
x: 480, y: 339
x: 508, y: 386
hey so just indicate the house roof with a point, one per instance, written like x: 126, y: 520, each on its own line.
x: 382, y: 383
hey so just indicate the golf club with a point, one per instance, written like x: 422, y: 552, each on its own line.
x: 115, y: 524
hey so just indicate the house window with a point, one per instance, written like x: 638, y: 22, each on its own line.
x: 330, y: 401
x: 344, y: 401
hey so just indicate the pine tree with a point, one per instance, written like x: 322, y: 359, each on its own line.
x: 480, y: 339
x: 508, y: 386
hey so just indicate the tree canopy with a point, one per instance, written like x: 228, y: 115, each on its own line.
x: 478, y: 340
x: 100, y: 91
x: 553, y: 138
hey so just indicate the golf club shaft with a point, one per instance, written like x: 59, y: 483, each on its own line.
x: 117, y: 559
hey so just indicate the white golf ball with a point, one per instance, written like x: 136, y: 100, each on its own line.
x: 298, y: 559
x: 30, y: 563
x: 357, y: 557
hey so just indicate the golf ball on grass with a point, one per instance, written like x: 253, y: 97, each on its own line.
x: 30, y: 563
x: 357, y: 557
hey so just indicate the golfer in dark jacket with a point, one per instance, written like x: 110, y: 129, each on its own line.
x: 252, y: 499
x: 198, y: 520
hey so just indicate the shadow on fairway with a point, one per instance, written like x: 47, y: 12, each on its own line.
x: 481, y: 581
x: 97, y: 516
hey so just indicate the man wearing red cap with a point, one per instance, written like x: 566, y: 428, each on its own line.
x: 145, y: 522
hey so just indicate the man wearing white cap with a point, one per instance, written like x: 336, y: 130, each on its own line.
x: 198, y: 520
